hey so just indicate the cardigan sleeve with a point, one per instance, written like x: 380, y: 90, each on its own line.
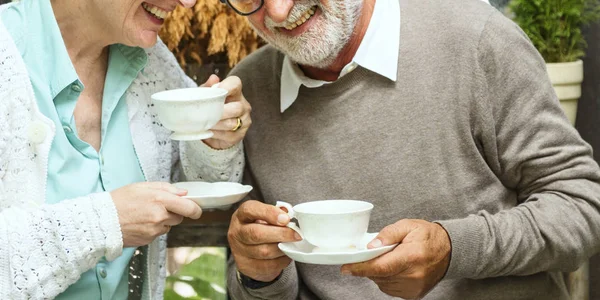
x: 44, y: 249
x: 197, y: 161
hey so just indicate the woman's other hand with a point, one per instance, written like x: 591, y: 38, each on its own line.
x: 235, y: 120
x: 147, y: 210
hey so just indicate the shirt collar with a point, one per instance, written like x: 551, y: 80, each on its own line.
x: 378, y: 52
x: 46, y: 50
x: 50, y: 50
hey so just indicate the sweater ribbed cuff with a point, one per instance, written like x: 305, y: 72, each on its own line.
x: 286, y: 285
x: 109, y: 224
x: 467, y: 246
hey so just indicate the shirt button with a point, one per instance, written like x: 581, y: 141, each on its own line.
x: 76, y: 88
x: 37, y: 132
x: 101, y: 159
x: 103, y: 273
x: 67, y: 129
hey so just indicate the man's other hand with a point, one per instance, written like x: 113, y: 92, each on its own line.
x: 415, y: 266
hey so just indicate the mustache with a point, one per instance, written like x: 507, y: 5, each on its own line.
x: 297, y: 11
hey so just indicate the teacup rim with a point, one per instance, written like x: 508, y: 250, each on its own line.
x: 296, y: 207
x: 156, y: 96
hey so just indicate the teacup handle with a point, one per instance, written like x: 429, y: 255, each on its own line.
x: 292, y: 214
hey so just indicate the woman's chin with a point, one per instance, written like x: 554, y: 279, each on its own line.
x: 147, y: 39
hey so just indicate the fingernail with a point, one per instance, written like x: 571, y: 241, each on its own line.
x: 283, y: 219
x: 346, y: 272
x: 376, y: 243
x: 297, y: 236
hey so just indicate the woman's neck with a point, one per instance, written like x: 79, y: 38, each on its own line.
x: 85, y: 45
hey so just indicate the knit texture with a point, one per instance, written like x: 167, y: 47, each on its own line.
x: 471, y: 135
x: 44, y: 248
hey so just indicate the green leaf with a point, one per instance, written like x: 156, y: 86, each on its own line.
x: 172, y: 295
x: 208, y: 267
x: 206, y: 291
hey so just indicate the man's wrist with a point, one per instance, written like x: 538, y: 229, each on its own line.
x: 255, y: 284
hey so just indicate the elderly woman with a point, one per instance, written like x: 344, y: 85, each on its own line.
x: 84, y: 164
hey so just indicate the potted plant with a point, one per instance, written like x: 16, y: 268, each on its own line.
x: 554, y: 27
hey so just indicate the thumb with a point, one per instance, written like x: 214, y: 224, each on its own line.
x: 391, y: 234
x: 212, y: 80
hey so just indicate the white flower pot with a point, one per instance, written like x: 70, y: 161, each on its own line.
x: 566, y: 79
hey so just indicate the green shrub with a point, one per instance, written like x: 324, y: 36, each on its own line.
x: 205, y: 274
x: 554, y: 26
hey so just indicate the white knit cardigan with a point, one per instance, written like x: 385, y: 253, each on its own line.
x: 45, y: 248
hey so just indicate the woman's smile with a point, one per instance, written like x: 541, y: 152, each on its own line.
x: 156, y: 14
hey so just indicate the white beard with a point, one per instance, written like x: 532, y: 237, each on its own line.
x: 321, y: 44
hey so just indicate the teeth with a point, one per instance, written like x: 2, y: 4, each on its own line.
x: 157, y: 12
x: 307, y: 15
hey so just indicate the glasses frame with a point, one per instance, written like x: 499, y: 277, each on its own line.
x: 262, y: 2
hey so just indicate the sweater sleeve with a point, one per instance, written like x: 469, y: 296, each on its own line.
x: 45, y: 249
x: 285, y: 288
x: 537, y: 153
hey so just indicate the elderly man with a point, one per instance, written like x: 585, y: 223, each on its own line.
x: 438, y: 112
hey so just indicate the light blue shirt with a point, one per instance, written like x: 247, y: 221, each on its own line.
x: 75, y: 168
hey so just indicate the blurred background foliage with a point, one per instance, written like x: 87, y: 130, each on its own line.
x: 555, y: 26
x: 200, y: 275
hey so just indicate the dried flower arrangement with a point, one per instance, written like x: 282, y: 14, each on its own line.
x: 210, y: 32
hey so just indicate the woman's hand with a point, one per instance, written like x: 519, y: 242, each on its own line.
x: 149, y: 209
x: 235, y: 120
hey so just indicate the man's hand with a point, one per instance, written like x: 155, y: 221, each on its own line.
x: 254, y: 232
x: 415, y: 266
x: 149, y: 209
x: 228, y: 132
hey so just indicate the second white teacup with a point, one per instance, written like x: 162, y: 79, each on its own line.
x: 330, y: 225
x: 190, y: 112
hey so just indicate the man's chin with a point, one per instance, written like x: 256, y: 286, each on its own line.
x: 315, y: 62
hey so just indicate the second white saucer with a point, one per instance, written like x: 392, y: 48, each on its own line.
x: 304, y: 252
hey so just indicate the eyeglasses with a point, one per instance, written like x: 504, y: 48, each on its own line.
x: 244, y: 7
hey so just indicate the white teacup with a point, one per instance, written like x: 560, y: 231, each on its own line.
x: 330, y: 225
x: 190, y: 112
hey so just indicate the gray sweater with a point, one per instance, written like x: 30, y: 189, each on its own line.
x: 471, y: 135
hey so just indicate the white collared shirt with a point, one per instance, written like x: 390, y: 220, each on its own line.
x: 378, y: 52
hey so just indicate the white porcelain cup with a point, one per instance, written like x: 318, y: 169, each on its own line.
x: 190, y: 112
x: 330, y: 224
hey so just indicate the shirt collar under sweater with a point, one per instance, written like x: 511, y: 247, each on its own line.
x: 378, y: 52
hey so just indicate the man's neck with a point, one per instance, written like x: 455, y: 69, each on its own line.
x: 332, y: 72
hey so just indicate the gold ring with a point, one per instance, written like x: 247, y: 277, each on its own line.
x: 238, y: 125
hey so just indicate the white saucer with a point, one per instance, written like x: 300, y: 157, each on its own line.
x: 304, y: 252
x: 180, y: 136
x: 214, y: 194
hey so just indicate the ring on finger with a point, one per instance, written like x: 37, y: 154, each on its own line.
x: 238, y: 125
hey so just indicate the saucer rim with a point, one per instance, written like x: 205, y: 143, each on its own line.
x: 196, y: 136
x: 322, y: 254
